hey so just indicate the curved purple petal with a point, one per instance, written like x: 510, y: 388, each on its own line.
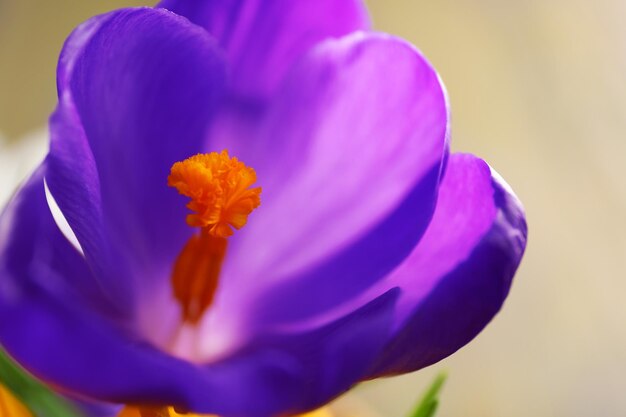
x: 350, y: 167
x: 137, y: 90
x: 460, y: 273
x: 23, y: 222
x: 88, y: 353
x: 95, y: 409
x: 262, y: 39
x: 324, y: 362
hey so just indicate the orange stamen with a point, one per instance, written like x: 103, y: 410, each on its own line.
x: 221, y: 200
x: 219, y: 190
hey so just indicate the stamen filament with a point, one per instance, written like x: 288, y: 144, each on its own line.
x: 196, y: 274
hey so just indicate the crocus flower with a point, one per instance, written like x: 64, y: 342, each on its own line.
x: 371, y: 250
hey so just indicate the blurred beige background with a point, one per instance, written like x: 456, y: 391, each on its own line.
x: 538, y: 88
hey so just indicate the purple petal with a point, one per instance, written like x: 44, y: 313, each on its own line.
x: 289, y: 374
x: 87, y: 353
x: 137, y: 90
x: 27, y: 227
x: 459, y: 275
x: 349, y: 160
x: 88, y: 408
x: 263, y: 38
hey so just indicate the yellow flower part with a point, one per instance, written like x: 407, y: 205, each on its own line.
x: 11, y: 406
x: 320, y: 412
x: 170, y: 412
x: 219, y: 188
x: 155, y: 412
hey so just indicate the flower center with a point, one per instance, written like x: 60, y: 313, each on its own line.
x: 221, y: 199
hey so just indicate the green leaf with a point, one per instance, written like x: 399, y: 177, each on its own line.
x: 430, y: 401
x: 33, y: 394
